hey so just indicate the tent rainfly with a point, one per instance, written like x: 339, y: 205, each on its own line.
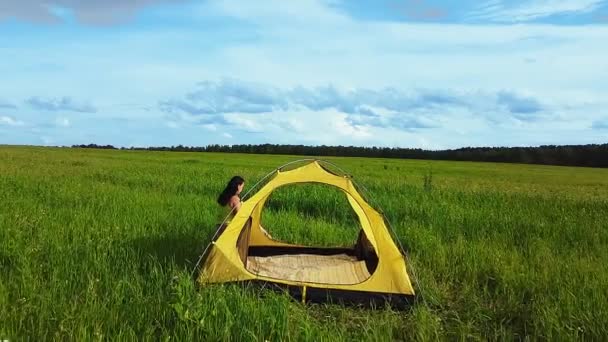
x: 373, y: 271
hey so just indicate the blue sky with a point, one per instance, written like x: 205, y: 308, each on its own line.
x: 408, y: 73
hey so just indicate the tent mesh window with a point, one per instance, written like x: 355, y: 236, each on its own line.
x: 313, y: 215
x: 310, y: 214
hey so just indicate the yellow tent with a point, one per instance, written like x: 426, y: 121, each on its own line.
x: 373, y: 269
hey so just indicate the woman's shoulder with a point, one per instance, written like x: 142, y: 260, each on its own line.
x: 234, y: 200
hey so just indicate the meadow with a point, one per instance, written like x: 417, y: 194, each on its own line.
x: 100, y: 244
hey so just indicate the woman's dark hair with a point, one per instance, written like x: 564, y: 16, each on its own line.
x: 230, y: 190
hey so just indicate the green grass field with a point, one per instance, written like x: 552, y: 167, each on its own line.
x: 98, y: 244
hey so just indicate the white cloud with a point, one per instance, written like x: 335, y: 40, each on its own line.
x: 246, y: 122
x: 10, y: 121
x: 62, y: 122
x: 7, y: 105
x: 403, y: 109
x: 210, y: 127
x: 343, y: 127
x: 46, y: 140
x: 227, y: 135
x: 307, y: 43
x: 99, y: 12
x: 60, y: 104
x: 511, y: 11
x: 277, y: 12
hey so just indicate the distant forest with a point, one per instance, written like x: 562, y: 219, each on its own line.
x: 567, y: 155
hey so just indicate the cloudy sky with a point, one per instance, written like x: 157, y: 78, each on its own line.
x: 409, y: 73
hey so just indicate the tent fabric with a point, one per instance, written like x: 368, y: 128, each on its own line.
x: 228, y: 258
x: 325, y: 269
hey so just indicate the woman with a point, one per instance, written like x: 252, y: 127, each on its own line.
x: 230, y: 195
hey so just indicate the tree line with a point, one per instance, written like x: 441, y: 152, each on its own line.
x: 594, y: 155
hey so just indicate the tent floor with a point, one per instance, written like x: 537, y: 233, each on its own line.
x: 336, y: 269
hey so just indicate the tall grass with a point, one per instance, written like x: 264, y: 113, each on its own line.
x: 99, y: 244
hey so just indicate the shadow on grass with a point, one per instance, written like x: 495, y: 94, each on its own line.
x: 8, y: 264
x: 178, y: 249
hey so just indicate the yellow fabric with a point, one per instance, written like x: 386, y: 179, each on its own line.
x: 223, y: 264
x: 218, y: 265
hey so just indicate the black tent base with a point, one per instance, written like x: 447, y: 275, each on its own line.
x: 368, y: 300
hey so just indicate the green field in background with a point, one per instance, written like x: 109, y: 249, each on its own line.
x: 99, y: 244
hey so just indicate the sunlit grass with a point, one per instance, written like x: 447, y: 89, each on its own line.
x: 100, y: 244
